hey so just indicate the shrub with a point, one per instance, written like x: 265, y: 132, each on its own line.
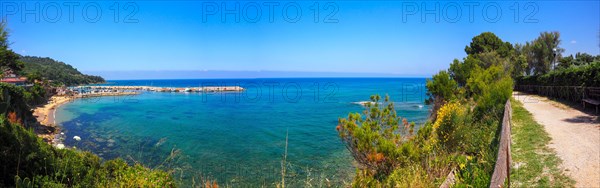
x: 377, y: 139
x: 26, y: 160
x: 491, y: 88
x: 587, y: 75
x: 15, y: 99
x: 462, y: 133
x: 446, y: 123
x: 442, y: 86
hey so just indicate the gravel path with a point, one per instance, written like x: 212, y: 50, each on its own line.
x: 575, y: 137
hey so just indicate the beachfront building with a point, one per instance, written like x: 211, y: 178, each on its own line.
x: 10, y: 77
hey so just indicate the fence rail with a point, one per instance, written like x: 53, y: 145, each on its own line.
x: 569, y: 93
x: 502, y: 168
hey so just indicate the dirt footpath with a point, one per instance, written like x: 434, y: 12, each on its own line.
x: 575, y: 137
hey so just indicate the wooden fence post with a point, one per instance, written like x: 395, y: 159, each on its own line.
x: 503, y: 161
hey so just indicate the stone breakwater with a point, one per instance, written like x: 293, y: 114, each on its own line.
x: 162, y: 89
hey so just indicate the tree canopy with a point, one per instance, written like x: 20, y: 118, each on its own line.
x: 8, y: 58
x: 546, y: 50
x: 539, y: 54
x: 578, y: 60
x: 488, y: 42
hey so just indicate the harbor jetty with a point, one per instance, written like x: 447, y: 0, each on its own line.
x: 121, y: 89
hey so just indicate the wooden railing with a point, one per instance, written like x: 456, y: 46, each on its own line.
x: 502, y: 168
x: 569, y: 93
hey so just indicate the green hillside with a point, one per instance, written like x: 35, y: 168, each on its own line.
x: 60, y: 73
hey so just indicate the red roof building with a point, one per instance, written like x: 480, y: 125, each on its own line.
x: 17, y: 81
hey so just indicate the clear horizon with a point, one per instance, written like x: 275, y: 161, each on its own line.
x: 399, y: 39
x: 208, y: 74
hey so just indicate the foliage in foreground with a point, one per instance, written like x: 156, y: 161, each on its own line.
x: 462, y: 134
x: 534, y: 163
x: 18, y: 101
x: 25, y: 160
x: 378, y: 141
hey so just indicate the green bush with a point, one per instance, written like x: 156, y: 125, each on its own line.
x: 16, y: 100
x: 38, y: 94
x: 491, y: 88
x: 587, y: 75
x: 378, y: 141
x: 442, y: 86
x: 462, y: 133
x: 26, y: 160
x: 457, y: 139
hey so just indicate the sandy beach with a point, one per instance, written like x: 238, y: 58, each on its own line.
x: 45, y: 116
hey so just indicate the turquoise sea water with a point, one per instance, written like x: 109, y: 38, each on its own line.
x: 237, y: 138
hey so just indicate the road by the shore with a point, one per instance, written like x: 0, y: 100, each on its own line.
x: 575, y: 137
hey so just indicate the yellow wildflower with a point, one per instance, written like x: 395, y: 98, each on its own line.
x: 444, y: 112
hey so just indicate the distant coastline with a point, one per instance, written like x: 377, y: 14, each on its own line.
x: 257, y: 74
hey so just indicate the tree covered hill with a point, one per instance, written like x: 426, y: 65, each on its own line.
x: 59, y: 72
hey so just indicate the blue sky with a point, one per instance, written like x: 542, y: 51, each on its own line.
x: 365, y: 38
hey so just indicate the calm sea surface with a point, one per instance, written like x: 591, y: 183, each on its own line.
x: 237, y: 138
